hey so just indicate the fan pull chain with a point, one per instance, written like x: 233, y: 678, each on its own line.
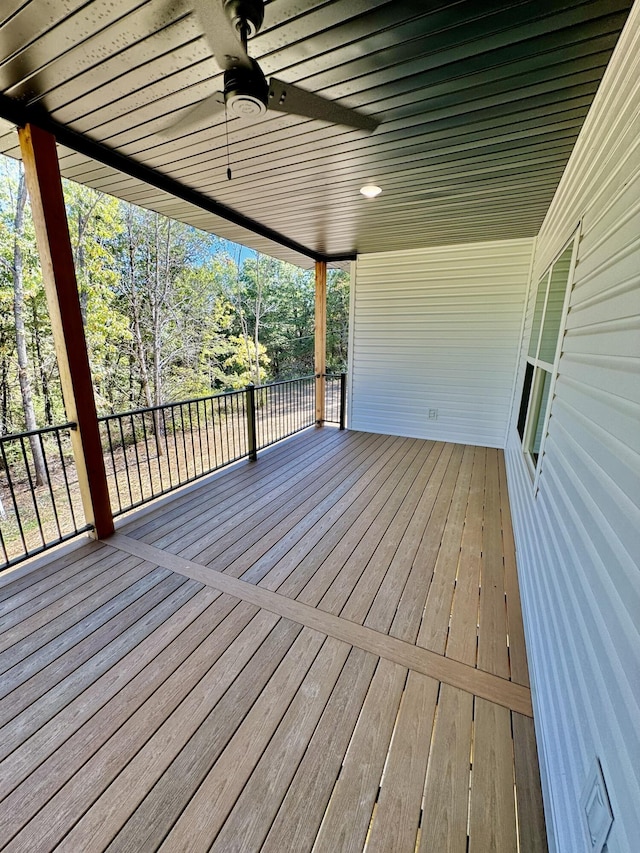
x: 226, y: 130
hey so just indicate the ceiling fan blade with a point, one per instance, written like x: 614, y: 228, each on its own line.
x: 287, y: 98
x: 202, y: 113
x: 223, y: 39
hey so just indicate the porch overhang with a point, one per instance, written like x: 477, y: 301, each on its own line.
x: 480, y: 108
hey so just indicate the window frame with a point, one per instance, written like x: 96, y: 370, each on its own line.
x: 542, y: 368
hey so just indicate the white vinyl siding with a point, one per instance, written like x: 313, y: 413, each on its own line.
x: 438, y: 328
x: 579, y: 540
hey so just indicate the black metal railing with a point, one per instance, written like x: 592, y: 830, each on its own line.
x: 335, y: 398
x: 151, y: 451
x: 283, y: 408
x: 40, y: 503
x: 148, y: 452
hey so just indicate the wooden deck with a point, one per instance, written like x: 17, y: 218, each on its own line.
x: 319, y: 651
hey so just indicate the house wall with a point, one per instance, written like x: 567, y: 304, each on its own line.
x: 438, y: 328
x: 578, y: 540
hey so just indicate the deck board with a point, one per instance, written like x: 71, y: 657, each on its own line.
x: 317, y: 651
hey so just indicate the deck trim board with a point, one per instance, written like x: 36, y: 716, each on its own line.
x: 529, y: 803
x: 429, y: 663
x: 492, y: 647
x: 515, y: 625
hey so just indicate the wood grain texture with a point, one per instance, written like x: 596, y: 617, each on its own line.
x: 141, y: 775
x: 422, y: 660
x: 300, y: 815
x: 406, y: 622
x: 492, y: 824
x: 399, y: 804
x: 462, y: 641
x: 437, y: 610
x: 350, y: 809
x: 492, y: 645
x: 531, y: 834
x: 517, y: 646
x: 114, y: 736
x: 258, y: 804
x: 446, y: 796
x: 200, y: 822
x: 153, y: 647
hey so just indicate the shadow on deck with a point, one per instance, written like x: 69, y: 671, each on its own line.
x: 321, y: 650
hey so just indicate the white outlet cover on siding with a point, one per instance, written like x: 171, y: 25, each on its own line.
x: 596, y: 809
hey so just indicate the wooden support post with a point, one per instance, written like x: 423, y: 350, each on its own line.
x: 42, y: 173
x: 320, y: 338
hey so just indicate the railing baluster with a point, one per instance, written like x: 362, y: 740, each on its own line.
x: 146, y: 447
x: 12, y: 492
x: 52, y: 495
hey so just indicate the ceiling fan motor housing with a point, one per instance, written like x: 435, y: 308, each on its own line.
x: 249, y: 13
x: 246, y: 92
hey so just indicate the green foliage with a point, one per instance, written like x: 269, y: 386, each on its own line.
x: 170, y: 312
x: 338, y: 286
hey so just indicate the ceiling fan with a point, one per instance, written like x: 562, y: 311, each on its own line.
x: 247, y: 94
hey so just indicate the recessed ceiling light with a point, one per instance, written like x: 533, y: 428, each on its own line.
x: 370, y: 191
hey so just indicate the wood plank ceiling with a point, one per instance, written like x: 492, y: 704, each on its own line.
x: 480, y: 105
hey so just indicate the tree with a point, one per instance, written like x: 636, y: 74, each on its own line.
x: 337, y: 320
x: 17, y: 274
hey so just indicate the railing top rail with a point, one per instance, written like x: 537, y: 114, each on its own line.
x: 284, y: 382
x: 145, y: 409
x: 12, y: 436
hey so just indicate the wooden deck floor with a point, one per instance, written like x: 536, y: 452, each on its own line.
x: 319, y: 651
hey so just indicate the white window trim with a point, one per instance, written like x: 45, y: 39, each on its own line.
x: 535, y: 469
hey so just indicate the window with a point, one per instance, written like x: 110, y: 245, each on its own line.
x: 543, y: 354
